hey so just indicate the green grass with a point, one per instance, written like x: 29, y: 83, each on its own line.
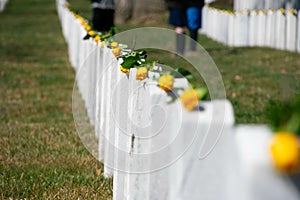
x: 41, y: 155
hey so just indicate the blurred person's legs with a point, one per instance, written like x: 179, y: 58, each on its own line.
x: 193, y: 23
x: 103, y: 19
x: 180, y: 40
x: 178, y: 20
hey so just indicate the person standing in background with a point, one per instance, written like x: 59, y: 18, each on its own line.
x: 177, y: 18
x: 194, y: 17
x: 103, y: 14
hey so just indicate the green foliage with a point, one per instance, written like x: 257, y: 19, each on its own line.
x: 285, y: 116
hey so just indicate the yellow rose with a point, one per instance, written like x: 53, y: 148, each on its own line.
x: 82, y: 22
x: 141, y: 73
x: 116, y: 51
x: 92, y: 33
x: 189, y: 99
x: 87, y: 27
x: 282, y: 10
x: 124, y: 70
x: 293, y: 11
x: 97, y: 38
x: 166, y: 82
x: 284, y: 150
x: 102, y: 44
x: 114, y: 45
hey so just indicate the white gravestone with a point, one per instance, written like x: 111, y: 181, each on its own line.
x: 224, y: 16
x: 104, y: 103
x: 253, y: 26
x: 205, y: 170
x: 291, y: 30
x: 215, y: 24
x: 122, y: 139
x: 99, y: 73
x: 261, y: 28
x: 280, y: 30
x: 92, y: 59
x: 270, y: 29
x: 137, y: 100
x: 241, y: 29
x: 204, y: 19
x: 218, y: 31
x: 231, y: 29
x: 110, y: 122
x: 258, y: 178
x: 2, y: 5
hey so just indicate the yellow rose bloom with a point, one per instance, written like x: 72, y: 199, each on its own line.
x: 292, y: 11
x: 92, y: 33
x: 189, y: 99
x: 141, y: 73
x: 97, y: 38
x: 116, y: 51
x: 82, y: 22
x: 124, y: 70
x: 102, y: 44
x: 284, y: 150
x: 166, y: 82
x: 114, y: 45
x: 87, y: 27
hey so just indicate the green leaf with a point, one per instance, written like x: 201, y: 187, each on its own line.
x: 202, y: 92
x: 87, y: 37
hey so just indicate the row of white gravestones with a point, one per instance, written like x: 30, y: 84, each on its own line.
x: 275, y: 29
x: 156, y: 150
x: 265, y: 4
x: 3, y: 4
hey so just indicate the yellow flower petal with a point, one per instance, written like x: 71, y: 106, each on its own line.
x: 124, y: 70
x: 166, y: 82
x: 114, y: 45
x: 141, y: 73
x: 92, y: 33
x: 97, y: 38
x: 285, y: 152
x: 116, y: 51
x: 189, y: 99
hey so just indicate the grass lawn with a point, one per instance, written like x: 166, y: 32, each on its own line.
x: 41, y: 155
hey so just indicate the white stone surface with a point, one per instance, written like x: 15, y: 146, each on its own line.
x: 280, y: 34
x: 3, y: 4
x: 241, y: 29
x: 258, y: 178
x: 205, y: 170
x: 231, y: 29
x: 291, y: 31
x: 122, y: 138
x: 261, y: 28
x: 253, y: 26
x: 270, y: 29
x: 224, y: 16
x: 204, y: 19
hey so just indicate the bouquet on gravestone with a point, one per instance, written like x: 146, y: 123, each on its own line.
x: 138, y: 59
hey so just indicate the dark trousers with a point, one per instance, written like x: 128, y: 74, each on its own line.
x: 103, y: 19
